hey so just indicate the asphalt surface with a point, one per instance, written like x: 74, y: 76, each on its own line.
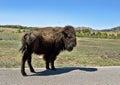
x: 62, y: 76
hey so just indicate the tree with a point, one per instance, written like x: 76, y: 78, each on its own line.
x: 98, y: 34
x: 104, y: 35
x: 93, y: 35
x: 118, y: 35
x: 112, y: 36
x: 86, y: 32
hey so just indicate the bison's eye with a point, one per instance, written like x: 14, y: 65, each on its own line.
x: 69, y: 36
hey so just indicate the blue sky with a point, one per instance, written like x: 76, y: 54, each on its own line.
x: 97, y: 14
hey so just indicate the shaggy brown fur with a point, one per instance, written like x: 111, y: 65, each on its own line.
x: 48, y: 42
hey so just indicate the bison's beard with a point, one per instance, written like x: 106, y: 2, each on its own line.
x: 69, y: 45
x: 70, y: 49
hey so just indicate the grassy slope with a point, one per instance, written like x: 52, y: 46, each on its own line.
x: 89, y: 52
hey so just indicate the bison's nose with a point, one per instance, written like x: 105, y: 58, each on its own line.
x: 74, y: 44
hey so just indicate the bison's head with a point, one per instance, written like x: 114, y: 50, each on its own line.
x: 69, y: 38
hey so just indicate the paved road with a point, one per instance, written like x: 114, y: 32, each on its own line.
x: 63, y: 76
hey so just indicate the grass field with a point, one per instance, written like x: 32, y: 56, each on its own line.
x: 88, y: 52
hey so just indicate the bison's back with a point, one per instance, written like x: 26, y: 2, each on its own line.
x: 49, y: 34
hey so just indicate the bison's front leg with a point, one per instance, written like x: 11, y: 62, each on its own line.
x: 47, y: 64
x: 52, y: 62
x: 52, y: 65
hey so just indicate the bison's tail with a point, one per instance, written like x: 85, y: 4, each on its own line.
x: 23, y: 48
x: 24, y: 44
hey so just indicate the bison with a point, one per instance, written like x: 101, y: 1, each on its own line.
x: 48, y: 42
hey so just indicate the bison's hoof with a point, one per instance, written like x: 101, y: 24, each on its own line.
x: 33, y: 71
x: 47, y: 68
x: 24, y: 74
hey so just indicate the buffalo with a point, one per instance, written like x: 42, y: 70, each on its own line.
x: 48, y: 42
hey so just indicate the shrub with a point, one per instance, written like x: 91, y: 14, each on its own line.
x: 118, y: 35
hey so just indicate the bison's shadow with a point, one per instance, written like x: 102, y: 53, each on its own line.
x: 63, y: 70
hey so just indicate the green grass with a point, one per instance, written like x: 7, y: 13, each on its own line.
x: 88, y: 52
x: 92, y: 52
x: 10, y: 36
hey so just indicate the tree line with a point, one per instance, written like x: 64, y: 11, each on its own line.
x: 97, y: 34
x: 15, y: 26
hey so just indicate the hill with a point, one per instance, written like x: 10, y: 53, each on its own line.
x: 81, y: 28
x: 114, y: 29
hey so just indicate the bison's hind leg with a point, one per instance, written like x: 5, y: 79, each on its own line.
x: 26, y: 56
x: 29, y: 64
